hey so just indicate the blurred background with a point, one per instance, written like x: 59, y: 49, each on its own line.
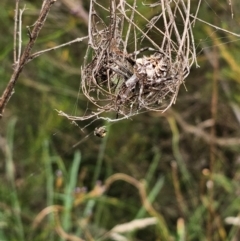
x: 176, y: 174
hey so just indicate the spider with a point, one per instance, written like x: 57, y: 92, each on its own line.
x: 145, y: 72
x: 100, y: 131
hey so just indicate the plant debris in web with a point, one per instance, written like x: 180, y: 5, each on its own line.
x: 128, y: 69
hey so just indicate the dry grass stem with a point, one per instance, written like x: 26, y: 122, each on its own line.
x: 120, y: 76
x: 134, y: 225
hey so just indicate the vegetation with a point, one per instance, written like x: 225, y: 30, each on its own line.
x: 156, y: 176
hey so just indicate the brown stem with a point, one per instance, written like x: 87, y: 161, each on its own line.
x: 213, y: 148
x: 15, y: 32
x: 9, y: 90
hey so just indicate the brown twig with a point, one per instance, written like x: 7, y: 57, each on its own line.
x: 37, y: 54
x: 18, y: 67
x: 15, y: 32
x: 214, y: 26
x: 61, y: 232
x: 176, y: 183
x: 213, y: 147
x: 143, y: 195
x: 198, y: 132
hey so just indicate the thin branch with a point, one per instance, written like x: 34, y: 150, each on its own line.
x: 9, y: 90
x: 129, y: 29
x: 15, y: 32
x: 196, y: 13
x: 122, y: 10
x: 20, y: 34
x: 198, y: 132
x: 90, y: 42
x: 214, y: 26
x: 37, y: 54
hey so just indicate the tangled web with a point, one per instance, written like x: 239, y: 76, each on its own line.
x: 119, y: 76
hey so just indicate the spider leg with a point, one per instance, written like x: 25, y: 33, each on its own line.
x: 135, y: 53
x: 119, y: 71
x: 124, y: 68
x: 140, y: 93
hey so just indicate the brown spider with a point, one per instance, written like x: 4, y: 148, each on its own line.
x: 144, y: 78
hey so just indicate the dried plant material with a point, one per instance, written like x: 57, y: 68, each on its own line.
x: 21, y: 58
x: 118, y: 75
x: 232, y: 221
x: 46, y: 211
x: 134, y: 225
x: 117, y: 237
x: 137, y: 224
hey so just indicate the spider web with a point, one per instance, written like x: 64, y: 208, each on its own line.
x: 115, y: 80
x: 114, y: 51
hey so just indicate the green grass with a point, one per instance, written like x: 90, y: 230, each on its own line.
x: 151, y: 178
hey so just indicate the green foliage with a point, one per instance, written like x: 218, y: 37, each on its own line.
x: 181, y: 169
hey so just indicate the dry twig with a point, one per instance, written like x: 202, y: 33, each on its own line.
x: 200, y: 133
x: 23, y: 58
